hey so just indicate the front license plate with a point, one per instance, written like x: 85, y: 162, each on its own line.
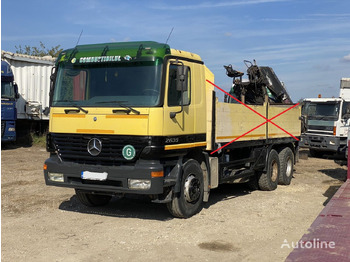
x: 94, y: 175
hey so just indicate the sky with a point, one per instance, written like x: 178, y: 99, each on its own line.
x: 306, y: 42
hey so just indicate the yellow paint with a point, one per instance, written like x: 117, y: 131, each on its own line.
x: 259, y: 136
x: 100, y: 121
x: 186, y: 145
x: 68, y: 115
x: 234, y: 120
x: 94, y: 131
x: 185, y: 54
x: 192, y: 120
x: 128, y: 116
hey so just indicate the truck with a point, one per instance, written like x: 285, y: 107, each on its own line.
x: 143, y: 118
x: 9, y: 94
x: 33, y: 79
x: 326, y: 123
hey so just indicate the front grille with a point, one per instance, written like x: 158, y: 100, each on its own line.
x: 73, y: 148
x: 325, y: 128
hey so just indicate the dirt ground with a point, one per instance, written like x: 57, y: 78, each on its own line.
x: 42, y: 223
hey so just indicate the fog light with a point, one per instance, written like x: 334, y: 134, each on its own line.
x: 12, y: 129
x: 55, y: 177
x: 332, y: 142
x: 142, y: 184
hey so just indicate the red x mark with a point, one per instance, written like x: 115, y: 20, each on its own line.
x: 267, y: 120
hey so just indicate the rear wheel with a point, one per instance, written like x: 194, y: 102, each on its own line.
x: 190, y: 199
x: 286, y: 157
x: 92, y: 200
x: 268, y: 180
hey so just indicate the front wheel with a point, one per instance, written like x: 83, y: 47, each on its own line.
x: 92, y: 200
x: 189, y: 200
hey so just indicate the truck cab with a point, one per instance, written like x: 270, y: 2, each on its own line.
x: 9, y: 94
x: 327, y: 123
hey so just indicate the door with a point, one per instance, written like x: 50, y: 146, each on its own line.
x: 183, y: 121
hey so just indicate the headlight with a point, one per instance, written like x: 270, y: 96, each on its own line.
x: 142, y: 184
x: 55, y: 177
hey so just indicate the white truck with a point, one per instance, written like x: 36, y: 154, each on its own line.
x: 32, y: 76
x: 326, y: 122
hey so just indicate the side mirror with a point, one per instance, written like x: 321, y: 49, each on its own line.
x: 52, y: 83
x: 46, y: 111
x: 181, y: 84
x: 16, y: 91
x: 182, y: 78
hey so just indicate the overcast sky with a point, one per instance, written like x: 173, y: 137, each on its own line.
x: 306, y: 42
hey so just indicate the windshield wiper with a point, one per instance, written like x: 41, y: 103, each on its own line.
x: 129, y: 108
x: 76, y: 110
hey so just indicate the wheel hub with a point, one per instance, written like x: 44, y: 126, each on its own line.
x: 192, y: 189
x: 289, y: 167
x: 274, y: 174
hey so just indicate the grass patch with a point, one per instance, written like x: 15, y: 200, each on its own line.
x: 39, y: 140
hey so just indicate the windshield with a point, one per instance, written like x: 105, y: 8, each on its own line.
x: 108, y: 85
x: 7, y: 90
x: 322, y: 110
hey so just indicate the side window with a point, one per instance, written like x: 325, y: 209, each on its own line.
x: 346, y: 110
x: 79, y: 84
x: 174, y: 95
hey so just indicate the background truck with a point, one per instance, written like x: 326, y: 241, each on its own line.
x: 142, y: 118
x: 9, y: 94
x: 326, y: 122
x: 33, y: 78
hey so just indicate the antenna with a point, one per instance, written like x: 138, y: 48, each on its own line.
x: 169, y: 35
x: 79, y: 37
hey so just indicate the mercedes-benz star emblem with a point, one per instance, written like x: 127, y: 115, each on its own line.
x: 94, y: 146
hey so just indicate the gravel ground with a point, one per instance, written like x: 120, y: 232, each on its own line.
x: 42, y: 223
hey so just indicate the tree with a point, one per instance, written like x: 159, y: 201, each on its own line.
x: 39, y: 51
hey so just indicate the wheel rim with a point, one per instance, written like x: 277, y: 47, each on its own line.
x: 289, y: 168
x: 274, y: 173
x: 192, y: 189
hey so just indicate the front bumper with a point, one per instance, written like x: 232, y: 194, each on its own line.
x: 117, y: 178
x: 326, y: 143
x: 8, y: 131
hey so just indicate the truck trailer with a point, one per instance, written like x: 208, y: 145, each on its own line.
x: 143, y: 118
x: 32, y: 75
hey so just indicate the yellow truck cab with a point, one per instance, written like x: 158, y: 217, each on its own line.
x: 142, y: 118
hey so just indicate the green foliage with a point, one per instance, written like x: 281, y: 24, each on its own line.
x: 39, y: 51
x: 39, y: 140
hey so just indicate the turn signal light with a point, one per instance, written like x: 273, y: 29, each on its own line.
x: 157, y: 174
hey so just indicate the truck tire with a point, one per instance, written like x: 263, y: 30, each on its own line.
x: 189, y: 200
x: 268, y: 180
x: 286, y: 157
x: 92, y: 200
x: 253, y: 183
